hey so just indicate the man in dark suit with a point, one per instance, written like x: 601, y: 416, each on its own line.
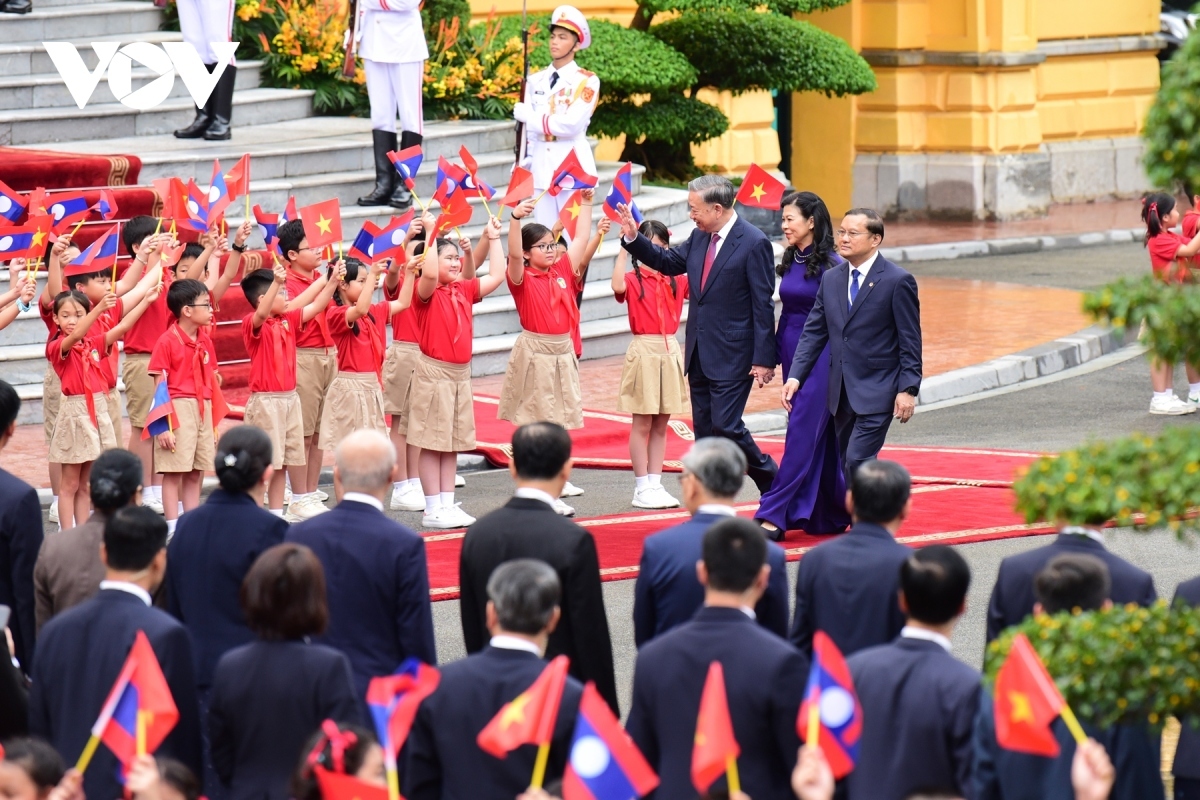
x: 376, y: 578
x: 1013, y: 596
x: 20, y: 539
x: 764, y: 675
x: 528, y: 527
x: 1187, y: 755
x: 668, y: 592
x: 848, y: 587
x: 868, y: 313
x: 918, y: 701
x: 82, y: 650
x: 1069, y: 581
x: 443, y: 761
x: 730, y: 341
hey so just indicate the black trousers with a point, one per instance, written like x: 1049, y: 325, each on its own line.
x: 717, y: 409
x: 860, y: 436
x: 1187, y: 789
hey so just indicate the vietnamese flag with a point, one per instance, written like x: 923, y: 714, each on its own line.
x: 237, y: 180
x: 520, y: 187
x: 714, y: 748
x: 1026, y: 702
x: 530, y: 717
x: 760, y: 190
x: 339, y: 786
x: 569, y: 216
x: 455, y: 211
x: 322, y: 223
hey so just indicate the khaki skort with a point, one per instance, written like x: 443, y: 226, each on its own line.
x: 51, y: 397
x: 114, y: 412
x: 652, y: 380
x: 139, y: 387
x: 76, y: 439
x: 315, y: 370
x: 195, y: 442
x: 444, y: 419
x: 278, y: 413
x: 355, y: 402
x: 541, y: 383
x: 398, y: 368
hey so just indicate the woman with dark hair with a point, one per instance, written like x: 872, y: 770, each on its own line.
x: 270, y: 695
x: 342, y: 749
x: 809, y: 493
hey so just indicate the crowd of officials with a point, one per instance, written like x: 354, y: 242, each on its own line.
x: 268, y: 634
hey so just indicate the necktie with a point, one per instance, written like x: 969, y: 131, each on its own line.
x: 553, y: 78
x: 710, y: 255
x: 854, y: 286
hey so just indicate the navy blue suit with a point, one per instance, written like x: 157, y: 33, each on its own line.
x: 848, y: 588
x: 80, y: 653
x: 443, y: 762
x: 730, y: 328
x: 378, y: 587
x: 207, y: 559
x: 1187, y: 756
x: 1012, y: 596
x: 267, y: 699
x: 764, y: 682
x: 20, y: 540
x: 919, y: 705
x: 668, y: 592
x: 874, y: 352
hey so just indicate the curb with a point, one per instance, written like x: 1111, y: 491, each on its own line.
x: 1036, y: 362
x: 946, y: 251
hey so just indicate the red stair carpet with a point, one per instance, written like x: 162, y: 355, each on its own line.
x: 25, y: 170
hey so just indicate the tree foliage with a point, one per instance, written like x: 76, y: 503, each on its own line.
x: 1171, y: 133
x: 1168, y: 315
x: 670, y: 118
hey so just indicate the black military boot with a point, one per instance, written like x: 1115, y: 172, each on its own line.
x: 401, y: 196
x: 221, y: 127
x: 385, y: 174
x: 204, y: 115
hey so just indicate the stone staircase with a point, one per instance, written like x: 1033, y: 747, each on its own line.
x: 293, y: 153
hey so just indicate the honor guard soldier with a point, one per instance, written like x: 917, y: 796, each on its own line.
x: 557, y: 109
x: 391, y: 42
x: 203, y: 22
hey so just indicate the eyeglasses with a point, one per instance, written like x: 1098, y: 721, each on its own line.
x: 545, y: 247
x: 199, y: 305
x: 843, y: 234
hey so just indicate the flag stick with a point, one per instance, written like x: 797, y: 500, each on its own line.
x: 77, y: 227
x: 486, y: 207
x: 539, y: 766
x: 731, y: 776
x: 85, y: 757
x: 457, y: 232
x: 340, y: 256
x: 540, y: 196
x: 814, y: 722
x: 1068, y: 716
x: 141, y: 733
x: 393, y: 783
x: 172, y: 231
x: 114, y: 276
x: 247, y: 200
x: 158, y: 227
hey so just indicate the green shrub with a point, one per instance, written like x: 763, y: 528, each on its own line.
x: 1171, y: 314
x: 434, y: 11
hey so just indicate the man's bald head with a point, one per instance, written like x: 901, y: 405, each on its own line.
x: 364, y: 462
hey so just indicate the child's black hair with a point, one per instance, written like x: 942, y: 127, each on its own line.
x: 177, y: 775
x: 136, y: 230
x: 291, y: 234
x: 76, y: 280
x: 184, y: 293
x: 70, y: 294
x: 419, y: 250
x: 256, y: 284
x: 1155, y: 208
x: 356, y: 742
x: 651, y: 228
x: 353, y: 265
x: 37, y: 759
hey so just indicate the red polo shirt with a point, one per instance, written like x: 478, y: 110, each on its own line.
x: 404, y: 325
x: 314, y: 333
x: 447, y: 321
x: 188, y: 363
x: 79, y: 369
x: 272, y: 350
x: 652, y: 307
x: 546, y: 300
x: 361, y: 350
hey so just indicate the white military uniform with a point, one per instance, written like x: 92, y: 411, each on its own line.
x: 391, y: 42
x: 205, y: 21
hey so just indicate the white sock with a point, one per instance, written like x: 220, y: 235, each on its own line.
x: 1194, y: 388
x: 447, y: 499
x: 171, y: 526
x: 655, y: 480
x: 155, y: 492
x: 399, y: 486
x: 287, y: 480
x: 642, y: 481
x: 432, y: 503
x: 1164, y: 395
x: 415, y: 483
x: 180, y: 506
x: 54, y: 500
x: 277, y: 512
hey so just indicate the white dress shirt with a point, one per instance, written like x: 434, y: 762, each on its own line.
x: 503, y: 642
x: 862, y: 271
x: 359, y: 497
x: 909, y: 632
x: 534, y: 494
x: 132, y: 588
x: 719, y: 509
x: 1077, y: 530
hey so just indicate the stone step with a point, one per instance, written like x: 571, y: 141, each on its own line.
x: 67, y: 23
x: 44, y: 4
x: 47, y: 90
x: 38, y: 126
x: 30, y: 58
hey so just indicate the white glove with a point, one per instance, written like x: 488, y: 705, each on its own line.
x: 521, y: 112
x: 346, y: 39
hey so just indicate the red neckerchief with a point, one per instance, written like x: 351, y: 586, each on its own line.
x: 375, y: 341
x: 85, y: 360
x: 561, y: 297
x: 662, y: 300
x: 459, y: 302
x: 199, y: 351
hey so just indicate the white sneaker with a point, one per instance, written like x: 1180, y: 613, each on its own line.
x: 455, y: 512
x: 1171, y: 406
x: 52, y: 515
x: 407, y: 499
x: 153, y: 504
x: 290, y: 518
x: 562, y: 508
x: 441, y: 519
x: 287, y: 494
x: 570, y: 490
x: 662, y: 498
x: 1194, y: 400
x: 321, y: 495
x: 459, y: 481
x: 306, y: 507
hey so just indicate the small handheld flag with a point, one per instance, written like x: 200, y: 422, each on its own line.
x: 35, y: 202
x: 449, y: 178
x: 237, y: 180
x: 219, y: 197
x: 322, y: 223
x: 389, y: 241
x: 106, y: 206
x: 364, y: 242
x: 67, y: 210
x: 715, y: 750
x: 407, y: 162
x: 520, y: 188
x: 831, y: 716
x: 571, y: 175
x: 100, y: 255
x: 336, y: 786
x: 569, y: 216
x: 622, y: 193
x: 1026, y: 703
x: 605, y: 764
x: 161, y: 416
x: 528, y: 719
x: 26, y: 241
x: 270, y: 225
x: 455, y: 211
x: 12, y: 205
x: 393, y: 701
x: 197, y: 208
x: 760, y: 189
x: 289, y: 211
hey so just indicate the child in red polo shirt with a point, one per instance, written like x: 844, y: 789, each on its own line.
x: 83, y: 428
x: 359, y: 329
x: 269, y: 333
x: 653, y: 386
x: 441, y: 385
x: 186, y: 357
x: 1169, y: 256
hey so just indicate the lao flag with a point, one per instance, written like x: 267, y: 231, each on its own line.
x: 364, y: 243
x: 218, y: 194
x: 100, y: 255
x: 237, y: 180
x: 830, y: 695
x: 289, y: 211
x: 139, y: 711
x: 449, y: 178
x: 106, y: 206
x: 571, y: 175
x: 197, y: 208
x: 760, y: 190
x: 11, y: 205
x: 622, y: 193
x: 473, y: 181
x: 605, y: 764
x: 389, y: 242
x: 68, y: 210
x: 393, y: 701
x: 270, y: 226
x: 161, y: 416
x: 407, y: 162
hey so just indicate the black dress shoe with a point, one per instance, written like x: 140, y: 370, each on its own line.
x: 774, y: 534
x: 16, y: 7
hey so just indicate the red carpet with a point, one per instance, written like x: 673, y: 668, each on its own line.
x: 25, y: 170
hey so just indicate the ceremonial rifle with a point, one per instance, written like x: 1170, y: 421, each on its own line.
x: 519, y: 146
x: 348, y: 64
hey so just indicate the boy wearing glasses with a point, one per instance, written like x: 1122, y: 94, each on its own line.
x: 186, y: 357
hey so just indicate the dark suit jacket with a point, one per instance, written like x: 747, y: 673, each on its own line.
x: 764, y: 682
x: 527, y: 528
x: 20, y: 541
x: 68, y: 569
x: 378, y: 587
x: 875, y: 347
x: 848, y: 588
x: 1187, y: 755
x: 14, y: 702
x: 80, y: 654
x: 209, y: 556
x: 919, y: 705
x: 267, y: 699
x: 1012, y: 596
x: 1008, y: 775
x: 731, y: 320
x: 443, y: 762
x: 668, y: 593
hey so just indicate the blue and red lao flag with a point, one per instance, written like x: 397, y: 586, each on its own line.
x: 161, y: 417
x: 450, y: 178
x: 218, y: 194
x: 473, y: 181
x: 393, y: 701
x: 622, y: 193
x: 67, y: 210
x: 389, y: 241
x: 197, y: 208
x: 289, y: 211
x: 571, y: 175
x: 407, y: 162
x: 139, y: 711
x: 100, y: 255
x: 270, y: 227
x: 364, y: 242
x: 605, y: 764
x: 12, y: 205
x: 106, y: 206
x: 830, y: 691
